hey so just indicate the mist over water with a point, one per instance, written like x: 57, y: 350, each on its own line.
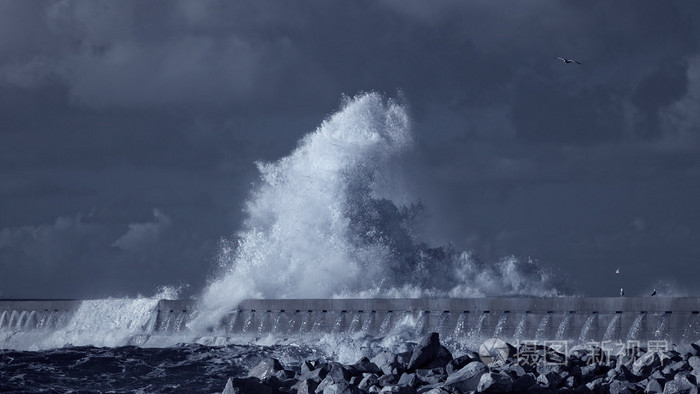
x: 332, y: 219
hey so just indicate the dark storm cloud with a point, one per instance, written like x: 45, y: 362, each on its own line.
x: 109, y: 110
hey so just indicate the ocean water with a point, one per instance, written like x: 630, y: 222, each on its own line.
x: 331, y: 219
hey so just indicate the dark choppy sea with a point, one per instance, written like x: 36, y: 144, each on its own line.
x: 187, y: 368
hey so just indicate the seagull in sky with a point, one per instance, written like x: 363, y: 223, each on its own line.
x: 617, y: 271
x: 622, y: 292
x: 567, y: 61
x: 653, y: 293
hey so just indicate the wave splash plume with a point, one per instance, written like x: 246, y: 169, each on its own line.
x: 333, y: 220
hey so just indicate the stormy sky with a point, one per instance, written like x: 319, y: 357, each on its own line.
x: 129, y: 131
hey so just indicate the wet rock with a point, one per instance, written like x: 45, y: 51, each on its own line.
x: 339, y: 388
x: 524, y: 382
x: 398, y: 389
x: 646, y: 363
x: 467, y: 378
x: 589, y: 372
x: 570, y: 382
x: 514, y: 370
x: 621, y: 387
x: 317, y: 374
x: 654, y: 386
x: 409, y: 379
x: 306, y: 366
x: 549, y: 379
x: 434, y: 390
x: 368, y: 381
x: 495, y: 383
x: 306, y: 386
x: 388, y: 380
x: 459, y: 363
x: 252, y: 385
x: 431, y: 376
x: 680, y: 385
x: 694, y: 363
x: 388, y: 363
x: 338, y: 373
x: 366, y: 366
x: 429, y: 350
x: 265, y: 368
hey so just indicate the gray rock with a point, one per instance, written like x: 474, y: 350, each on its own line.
x: 398, y: 389
x: 679, y: 366
x: 596, y: 385
x: 681, y: 386
x: 306, y: 366
x: 495, y: 383
x: 694, y: 363
x: 388, y: 363
x: 306, y: 386
x: 339, y: 388
x: 688, y: 350
x: 228, y: 389
x: 338, y: 373
x: 366, y: 366
x: 645, y: 364
x: 549, y: 379
x: 368, y: 381
x: 317, y: 374
x: 621, y: 387
x: 514, y: 370
x: 467, y: 378
x: 570, y: 382
x: 434, y: 390
x: 409, y: 379
x: 524, y: 382
x: 589, y: 372
x: 388, y: 380
x: 459, y: 363
x: 252, y: 385
x: 427, y: 351
x: 265, y: 368
x: 431, y: 376
x: 654, y: 386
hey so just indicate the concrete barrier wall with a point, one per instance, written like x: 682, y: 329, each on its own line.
x: 579, y: 319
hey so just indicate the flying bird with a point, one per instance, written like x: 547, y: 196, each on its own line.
x: 617, y: 271
x: 622, y: 292
x: 653, y: 293
x: 567, y: 61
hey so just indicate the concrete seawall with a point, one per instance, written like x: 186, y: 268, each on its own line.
x: 582, y: 319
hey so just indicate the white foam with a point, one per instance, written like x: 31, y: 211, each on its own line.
x: 332, y: 220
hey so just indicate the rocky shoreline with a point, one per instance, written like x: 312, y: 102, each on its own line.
x: 430, y: 368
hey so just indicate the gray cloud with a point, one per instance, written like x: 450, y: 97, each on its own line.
x: 115, y: 108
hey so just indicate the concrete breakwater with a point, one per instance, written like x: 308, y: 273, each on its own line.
x: 580, y: 319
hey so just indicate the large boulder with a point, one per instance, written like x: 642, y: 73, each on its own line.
x: 266, y: 367
x: 306, y: 386
x: 388, y: 363
x: 459, y: 362
x: 429, y: 351
x: 468, y: 377
x: 654, y: 387
x: 645, y: 364
x: 524, y: 382
x: 680, y: 385
x: 368, y: 381
x: 365, y: 366
x: 495, y: 383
